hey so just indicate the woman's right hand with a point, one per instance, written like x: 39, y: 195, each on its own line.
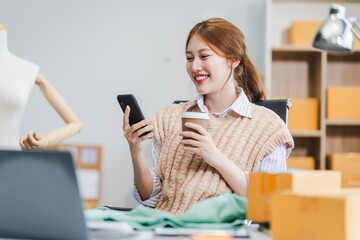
x: 133, y: 132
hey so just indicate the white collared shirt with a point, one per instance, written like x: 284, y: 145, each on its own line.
x: 274, y: 162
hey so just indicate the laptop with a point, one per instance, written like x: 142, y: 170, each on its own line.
x: 39, y: 197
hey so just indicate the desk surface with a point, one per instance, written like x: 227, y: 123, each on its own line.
x: 149, y: 235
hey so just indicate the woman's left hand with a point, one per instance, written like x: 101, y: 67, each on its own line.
x: 200, y: 143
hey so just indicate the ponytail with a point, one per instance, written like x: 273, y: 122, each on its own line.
x: 248, y: 78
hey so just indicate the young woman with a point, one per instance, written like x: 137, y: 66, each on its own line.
x: 241, y: 136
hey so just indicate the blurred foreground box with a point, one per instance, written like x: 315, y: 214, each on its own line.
x: 349, y: 166
x: 262, y: 185
x: 297, y: 162
x: 343, y: 102
x: 316, y: 215
x: 304, y: 114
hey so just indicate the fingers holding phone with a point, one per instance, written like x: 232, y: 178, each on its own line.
x: 126, y: 123
x: 143, y: 130
x: 138, y: 131
x: 135, y: 126
x: 135, y: 134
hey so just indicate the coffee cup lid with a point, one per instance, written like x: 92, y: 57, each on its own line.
x: 200, y: 115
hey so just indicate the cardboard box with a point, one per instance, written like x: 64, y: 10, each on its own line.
x: 342, y: 102
x: 349, y: 166
x: 317, y: 215
x: 303, y: 33
x: 307, y: 163
x: 262, y: 185
x: 304, y: 114
x: 356, y: 41
x: 90, y: 204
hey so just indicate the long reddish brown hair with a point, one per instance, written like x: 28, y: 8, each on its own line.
x: 226, y: 37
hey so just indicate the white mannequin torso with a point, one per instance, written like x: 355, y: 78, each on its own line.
x: 17, y: 76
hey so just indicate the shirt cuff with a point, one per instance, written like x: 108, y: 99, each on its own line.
x: 154, y: 198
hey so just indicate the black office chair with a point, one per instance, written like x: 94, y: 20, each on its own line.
x: 279, y: 106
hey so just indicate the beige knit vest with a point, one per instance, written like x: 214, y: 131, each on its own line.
x: 187, y: 178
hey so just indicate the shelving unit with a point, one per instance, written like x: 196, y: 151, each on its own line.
x: 343, y: 135
x: 305, y: 72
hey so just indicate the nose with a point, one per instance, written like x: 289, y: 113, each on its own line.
x: 196, y: 65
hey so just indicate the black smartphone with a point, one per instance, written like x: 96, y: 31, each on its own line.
x: 136, y: 114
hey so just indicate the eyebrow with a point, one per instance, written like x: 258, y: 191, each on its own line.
x: 201, y: 50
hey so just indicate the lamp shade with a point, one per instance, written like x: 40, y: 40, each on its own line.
x: 335, y: 33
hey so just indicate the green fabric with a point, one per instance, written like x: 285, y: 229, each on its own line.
x: 220, y: 212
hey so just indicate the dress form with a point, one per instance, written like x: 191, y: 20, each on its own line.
x: 17, y: 76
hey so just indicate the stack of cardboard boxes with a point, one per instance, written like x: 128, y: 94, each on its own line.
x: 303, y: 116
x: 342, y: 104
x: 263, y: 185
x: 304, y: 205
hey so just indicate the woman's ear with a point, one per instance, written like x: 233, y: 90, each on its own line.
x: 235, y: 63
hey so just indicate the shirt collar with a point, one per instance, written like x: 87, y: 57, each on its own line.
x: 240, y: 106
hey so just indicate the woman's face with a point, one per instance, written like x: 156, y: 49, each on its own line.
x: 208, y: 70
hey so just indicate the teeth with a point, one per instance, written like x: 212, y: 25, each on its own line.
x: 200, y: 78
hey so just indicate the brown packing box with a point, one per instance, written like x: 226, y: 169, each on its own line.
x: 302, y: 33
x: 296, y: 162
x: 356, y: 41
x: 349, y: 166
x: 304, y: 114
x: 316, y: 215
x: 342, y: 102
x: 262, y: 185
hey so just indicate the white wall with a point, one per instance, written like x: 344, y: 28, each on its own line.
x: 285, y: 12
x: 92, y: 50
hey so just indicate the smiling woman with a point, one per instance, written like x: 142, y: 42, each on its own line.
x: 184, y: 167
x: 220, y: 38
x: 209, y: 71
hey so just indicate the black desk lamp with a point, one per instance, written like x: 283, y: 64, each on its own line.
x: 336, y: 33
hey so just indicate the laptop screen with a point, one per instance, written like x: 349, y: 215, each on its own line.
x: 39, y: 196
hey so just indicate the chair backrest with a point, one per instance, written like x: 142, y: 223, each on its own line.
x: 279, y: 106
